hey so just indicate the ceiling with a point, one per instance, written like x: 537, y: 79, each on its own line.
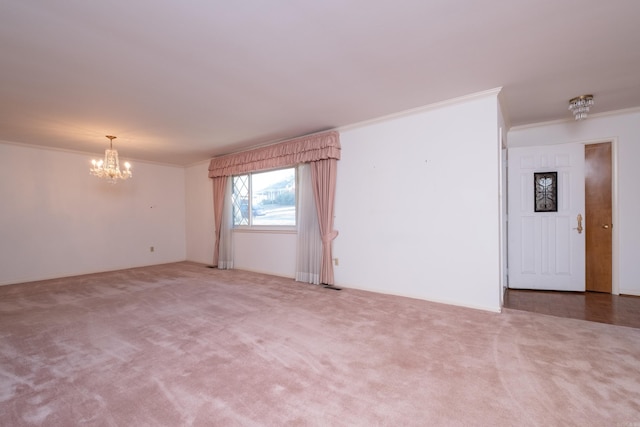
x: 181, y: 81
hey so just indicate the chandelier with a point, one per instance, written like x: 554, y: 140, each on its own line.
x: 109, y: 168
x: 579, y: 106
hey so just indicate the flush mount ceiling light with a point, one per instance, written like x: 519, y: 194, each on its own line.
x: 109, y: 168
x: 579, y: 106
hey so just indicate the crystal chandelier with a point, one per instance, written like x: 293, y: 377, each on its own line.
x: 579, y: 106
x: 109, y: 168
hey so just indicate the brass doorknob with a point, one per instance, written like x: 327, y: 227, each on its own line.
x: 605, y: 225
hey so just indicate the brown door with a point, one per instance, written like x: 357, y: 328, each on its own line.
x: 598, y: 217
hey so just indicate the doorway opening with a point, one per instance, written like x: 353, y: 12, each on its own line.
x: 534, y: 241
x: 601, y: 301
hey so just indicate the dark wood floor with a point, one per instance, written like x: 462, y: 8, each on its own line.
x: 623, y: 310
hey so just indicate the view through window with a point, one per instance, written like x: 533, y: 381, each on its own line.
x: 265, y: 198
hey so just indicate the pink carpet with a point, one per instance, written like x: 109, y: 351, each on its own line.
x: 185, y: 345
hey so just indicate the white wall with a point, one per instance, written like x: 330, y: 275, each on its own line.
x: 502, y: 135
x: 56, y: 220
x: 417, y: 205
x: 200, y: 224
x: 624, y: 129
x: 417, y: 208
x: 265, y: 252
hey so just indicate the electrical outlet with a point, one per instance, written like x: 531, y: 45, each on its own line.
x: 151, y: 249
x: 336, y: 261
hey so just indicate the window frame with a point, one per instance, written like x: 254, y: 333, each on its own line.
x: 250, y: 227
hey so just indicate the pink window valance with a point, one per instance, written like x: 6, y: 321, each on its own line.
x: 287, y: 153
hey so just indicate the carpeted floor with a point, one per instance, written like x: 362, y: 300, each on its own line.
x: 182, y: 345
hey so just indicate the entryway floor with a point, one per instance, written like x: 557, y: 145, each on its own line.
x: 622, y: 310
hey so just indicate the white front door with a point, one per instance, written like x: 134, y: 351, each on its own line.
x: 546, y: 248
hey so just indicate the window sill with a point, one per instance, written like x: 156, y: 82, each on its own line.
x: 265, y: 229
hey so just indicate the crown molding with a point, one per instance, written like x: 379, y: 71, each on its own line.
x: 421, y: 109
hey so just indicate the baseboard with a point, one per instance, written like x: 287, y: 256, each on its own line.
x: 496, y: 309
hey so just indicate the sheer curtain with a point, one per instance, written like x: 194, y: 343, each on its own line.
x: 309, y: 242
x: 225, y: 258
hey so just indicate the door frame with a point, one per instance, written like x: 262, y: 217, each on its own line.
x: 615, y: 238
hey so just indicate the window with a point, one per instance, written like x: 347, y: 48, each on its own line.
x: 265, y: 198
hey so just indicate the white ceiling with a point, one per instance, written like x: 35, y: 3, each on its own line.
x: 181, y: 81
